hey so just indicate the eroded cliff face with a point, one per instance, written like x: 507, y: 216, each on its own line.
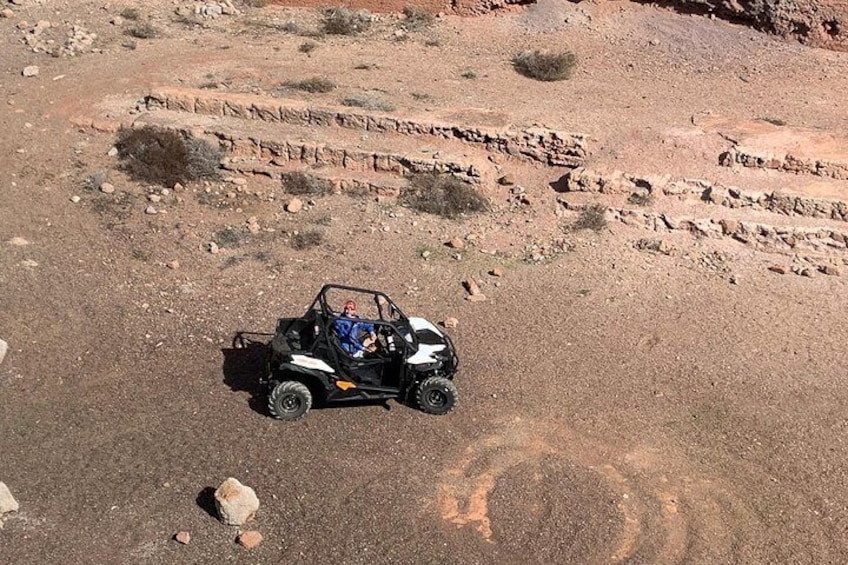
x: 818, y: 23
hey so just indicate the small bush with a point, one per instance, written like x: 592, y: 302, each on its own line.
x: 593, y: 217
x: 130, y: 14
x: 307, y: 47
x: 469, y: 74
x: 368, y: 102
x: 545, y: 66
x: 307, y: 239
x: 166, y: 157
x: 416, y: 19
x: 142, y: 31
x: 228, y: 238
x: 432, y: 42
x: 312, y: 85
x: 343, y: 21
x: 302, y: 184
x: 442, y: 195
x: 256, y: 3
x: 640, y: 198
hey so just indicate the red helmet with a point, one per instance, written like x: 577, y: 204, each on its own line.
x: 350, y: 304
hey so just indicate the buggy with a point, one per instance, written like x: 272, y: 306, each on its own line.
x: 406, y: 358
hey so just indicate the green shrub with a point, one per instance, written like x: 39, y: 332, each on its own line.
x: 442, y: 195
x: 165, y: 157
x: 544, y: 65
x: 344, y: 21
x: 313, y: 85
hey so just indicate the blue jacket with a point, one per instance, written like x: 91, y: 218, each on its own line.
x: 349, y: 330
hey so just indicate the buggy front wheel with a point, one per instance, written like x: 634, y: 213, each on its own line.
x: 437, y: 395
x: 290, y: 400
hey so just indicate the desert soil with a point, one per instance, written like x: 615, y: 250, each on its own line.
x: 617, y: 405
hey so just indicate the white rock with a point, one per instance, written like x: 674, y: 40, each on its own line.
x: 30, y: 71
x: 107, y: 188
x: 154, y: 198
x: 112, y: 152
x: 4, y: 347
x: 150, y: 210
x: 75, y: 199
x: 18, y: 241
x: 235, y: 502
x: 7, y: 501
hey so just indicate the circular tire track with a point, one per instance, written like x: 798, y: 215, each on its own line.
x: 572, y: 499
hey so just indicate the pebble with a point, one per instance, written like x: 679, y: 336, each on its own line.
x: 249, y: 539
x: 107, y: 188
x: 294, y: 206
x: 30, y: 71
x: 7, y: 13
x: 75, y: 199
x: 497, y: 272
x: 456, y: 243
x: 450, y: 323
x: 112, y: 152
x: 173, y: 265
x: 154, y: 198
x: 183, y: 537
x: 213, y: 248
x: 150, y: 210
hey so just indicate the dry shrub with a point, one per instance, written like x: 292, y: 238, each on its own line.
x: 166, y: 157
x: 307, y: 239
x: 442, y: 195
x: 228, y: 237
x: 593, y: 217
x: 544, y: 65
x: 641, y: 198
x: 130, y: 14
x: 303, y: 184
x: 368, y: 102
x: 344, y: 21
x: 307, y: 47
x: 313, y: 85
x: 416, y: 19
x: 142, y: 31
x: 256, y: 3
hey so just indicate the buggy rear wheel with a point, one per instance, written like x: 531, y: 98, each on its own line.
x: 290, y: 400
x: 437, y: 395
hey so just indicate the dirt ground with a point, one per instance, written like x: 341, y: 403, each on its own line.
x: 617, y: 405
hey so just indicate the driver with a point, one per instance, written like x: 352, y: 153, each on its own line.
x: 357, y: 338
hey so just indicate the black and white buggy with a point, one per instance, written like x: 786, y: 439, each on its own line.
x: 411, y: 360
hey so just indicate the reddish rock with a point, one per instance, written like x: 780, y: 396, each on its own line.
x: 497, y: 272
x: 183, y: 537
x: 476, y: 297
x: 830, y: 270
x: 779, y: 269
x: 472, y: 287
x: 450, y: 323
x: 456, y: 243
x: 249, y: 539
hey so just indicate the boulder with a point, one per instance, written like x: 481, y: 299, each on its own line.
x: 235, y: 502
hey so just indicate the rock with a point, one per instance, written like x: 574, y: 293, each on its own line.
x: 4, y: 347
x: 213, y: 248
x: 75, y: 199
x: 497, y: 272
x: 456, y: 243
x: 450, y: 323
x: 112, y: 152
x: 253, y: 225
x: 472, y: 287
x: 294, y: 206
x: 150, y: 210
x: 235, y: 502
x: 7, y: 501
x: 506, y: 180
x: 249, y: 539
x: 476, y: 297
x: 240, y: 182
x: 30, y: 71
x: 425, y: 254
x: 107, y: 188
x: 173, y: 265
x: 18, y: 242
x: 155, y: 198
x: 183, y: 537
x: 779, y: 269
x: 825, y: 269
x: 178, y: 187
x: 7, y: 13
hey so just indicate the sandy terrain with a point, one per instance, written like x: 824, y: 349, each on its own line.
x: 618, y: 405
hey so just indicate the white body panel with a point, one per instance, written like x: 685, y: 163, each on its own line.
x: 311, y: 363
x: 424, y: 354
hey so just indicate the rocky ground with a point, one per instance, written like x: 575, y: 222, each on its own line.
x: 663, y: 388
